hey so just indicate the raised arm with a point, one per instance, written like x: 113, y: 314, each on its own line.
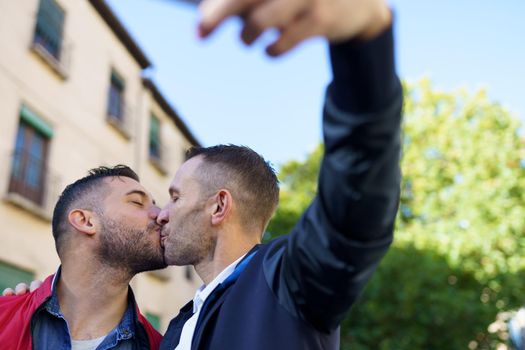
x: 336, y: 246
x: 320, y: 269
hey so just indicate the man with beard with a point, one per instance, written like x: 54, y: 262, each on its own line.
x: 105, y: 232
x: 293, y: 292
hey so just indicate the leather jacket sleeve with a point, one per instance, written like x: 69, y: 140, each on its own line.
x: 325, y: 262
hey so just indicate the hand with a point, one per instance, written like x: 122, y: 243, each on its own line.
x: 22, y: 288
x: 297, y: 20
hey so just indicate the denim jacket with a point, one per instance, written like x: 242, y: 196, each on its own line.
x: 51, y: 331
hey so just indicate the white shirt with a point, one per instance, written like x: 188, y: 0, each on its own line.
x: 91, y: 344
x: 200, y: 297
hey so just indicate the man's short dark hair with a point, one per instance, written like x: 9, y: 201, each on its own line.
x: 247, y: 175
x: 87, y: 193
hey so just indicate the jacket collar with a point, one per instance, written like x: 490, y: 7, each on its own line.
x: 215, y: 300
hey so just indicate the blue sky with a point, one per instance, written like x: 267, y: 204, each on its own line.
x: 228, y: 93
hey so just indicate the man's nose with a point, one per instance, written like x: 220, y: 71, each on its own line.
x: 162, y: 216
x: 154, y: 212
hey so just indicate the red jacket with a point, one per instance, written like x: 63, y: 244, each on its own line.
x: 16, y: 313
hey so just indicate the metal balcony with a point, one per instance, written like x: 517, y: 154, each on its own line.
x: 31, y: 185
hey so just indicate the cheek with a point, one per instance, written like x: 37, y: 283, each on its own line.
x: 172, y: 217
x: 173, y: 222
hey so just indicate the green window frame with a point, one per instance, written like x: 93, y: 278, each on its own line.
x: 49, y: 27
x: 154, y: 137
x: 29, y: 158
x: 116, y: 97
x: 31, y: 118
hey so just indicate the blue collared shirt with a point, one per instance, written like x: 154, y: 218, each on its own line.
x: 50, y: 330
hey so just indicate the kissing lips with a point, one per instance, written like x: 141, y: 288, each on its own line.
x: 162, y: 239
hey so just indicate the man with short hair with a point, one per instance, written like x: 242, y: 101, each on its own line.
x: 293, y: 292
x: 105, y: 232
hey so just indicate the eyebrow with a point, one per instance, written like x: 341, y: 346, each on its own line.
x: 140, y: 193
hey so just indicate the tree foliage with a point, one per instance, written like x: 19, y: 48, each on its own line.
x: 457, y: 261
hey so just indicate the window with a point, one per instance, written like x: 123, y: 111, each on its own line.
x: 10, y: 276
x: 154, y: 320
x: 28, y: 169
x: 49, y: 27
x: 154, y: 138
x: 116, y: 98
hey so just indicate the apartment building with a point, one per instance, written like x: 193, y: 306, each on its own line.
x: 72, y: 97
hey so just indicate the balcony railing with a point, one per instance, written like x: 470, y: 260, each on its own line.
x: 31, y: 185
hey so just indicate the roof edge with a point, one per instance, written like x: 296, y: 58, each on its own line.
x: 121, y: 32
x: 166, y: 106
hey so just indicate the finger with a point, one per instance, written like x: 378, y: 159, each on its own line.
x: 271, y: 14
x: 214, y: 12
x: 250, y: 32
x: 21, y: 289
x: 292, y: 35
x: 8, y: 292
x: 34, y: 285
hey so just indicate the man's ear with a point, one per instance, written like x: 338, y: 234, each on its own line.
x: 83, y: 221
x: 222, y: 206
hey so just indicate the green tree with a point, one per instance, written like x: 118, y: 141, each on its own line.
x: 298, y: 182
x: 458, y: 259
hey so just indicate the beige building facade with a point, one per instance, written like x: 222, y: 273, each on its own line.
x: 73, y: 97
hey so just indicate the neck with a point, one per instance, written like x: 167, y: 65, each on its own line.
x: 92, y: 298
x: 227, y: 250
